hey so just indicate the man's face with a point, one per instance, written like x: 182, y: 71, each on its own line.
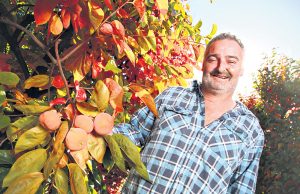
x: 222, y: 67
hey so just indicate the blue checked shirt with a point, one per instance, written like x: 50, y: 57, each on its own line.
x: 184, y: 156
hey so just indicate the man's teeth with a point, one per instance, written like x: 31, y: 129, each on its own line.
x: 222, y: 77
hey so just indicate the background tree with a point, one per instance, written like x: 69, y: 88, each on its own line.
x: 86, y: 64
x: 277, y: 107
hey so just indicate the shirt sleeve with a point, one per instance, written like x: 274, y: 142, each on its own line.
x: 245, y: 177
x: 140, y: 124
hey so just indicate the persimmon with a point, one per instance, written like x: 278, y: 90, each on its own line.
x: 84, y: 122
x: 103, y: 124
x: 50, y: 120
x: 76, y: 139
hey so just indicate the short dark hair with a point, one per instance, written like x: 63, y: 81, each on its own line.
x: 225, y: 36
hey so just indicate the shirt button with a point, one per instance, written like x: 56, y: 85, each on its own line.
x: 180, y: 175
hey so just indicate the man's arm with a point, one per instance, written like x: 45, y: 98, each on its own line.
x: 141, y: 123
x: 245, y: 177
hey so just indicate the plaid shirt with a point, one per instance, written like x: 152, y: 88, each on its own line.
x: 184, y: 156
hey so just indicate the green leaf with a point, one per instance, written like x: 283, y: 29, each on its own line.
x: 28, y: 183
x: 97, y: 147
x: 53, y: 159
x: 61, y: 182
x: 3, y: 173
x: 198, y: 25
x: 111, y: 66
x: 116, y: 152
x: 26, y: 122
x: 9, y: 78
x: 108, y: 161
x: 37, y: 81
x: 32, y: 161
x: 77, y: 183
x: 4, y: 121
x: 132, y: 153
x: 100, y: 96
x: 21, y: 124
x: 6, y: 157
x: 31, y: 138
x: 31, y: 109
x: 213, y: 30
x: 2, y: 95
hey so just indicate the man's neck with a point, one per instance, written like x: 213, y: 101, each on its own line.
x: 217, y: 98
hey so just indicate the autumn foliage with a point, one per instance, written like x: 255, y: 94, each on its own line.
x: 80, y: 67
x: 277, y: 106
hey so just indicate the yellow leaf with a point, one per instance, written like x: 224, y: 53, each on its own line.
x: 96, y: 15
x: 61, y: 134
x: 32, y: 161
x: 31, y: 138
x: 37, y: 81
x: 162, y: 6
x: 77, y: 183
x: 97, y: 147
x: 100, y: 96
x: 28, y: 183
x: 55, y: 25
x: 81, y: 157
x: 145, y: 96
x: 87, y: 109
x: 132, y: 42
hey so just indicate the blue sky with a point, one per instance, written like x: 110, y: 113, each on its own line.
x: 261, y: 25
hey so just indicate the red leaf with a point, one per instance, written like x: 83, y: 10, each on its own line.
x: 122, y: 13
x: 140, y: 7
x: 75, y: 12
x: 116, y: 94
x: 118, y: 28
x: 68, y: 3
x: 43, y: 11
x: 96, y: 70
x: 58, y: 82
x: 108, y: 3
x: 55, y: 25
x: 106, y: 28
x: 66, y: 18
x: 4, y: 66
x: 58, y: 101
x: 145, y: 96
x: 81, y: 95
x: 68, y: 112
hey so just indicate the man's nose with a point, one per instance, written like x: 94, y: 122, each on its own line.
x: 222, y: 65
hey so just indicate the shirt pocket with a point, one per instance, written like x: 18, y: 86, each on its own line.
x: 175, y: 119
x: 228, y: 141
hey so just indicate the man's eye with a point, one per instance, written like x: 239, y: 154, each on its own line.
x: 211, y: 60
x: 232, y: 62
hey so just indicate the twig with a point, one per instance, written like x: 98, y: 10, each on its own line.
x: 60, y: 68
x: 85, y: 41
x: 34, y: 38
x: 49, y: 83
x: 3, y: 141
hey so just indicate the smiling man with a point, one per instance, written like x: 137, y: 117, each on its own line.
x: 203, y: 140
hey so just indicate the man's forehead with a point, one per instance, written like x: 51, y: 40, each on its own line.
x: 229, y: 48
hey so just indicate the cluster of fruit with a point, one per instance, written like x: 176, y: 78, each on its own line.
x: 77, y: 136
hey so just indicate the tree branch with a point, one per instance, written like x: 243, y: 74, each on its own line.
x: 34, y: 38
x: 60, y: 68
